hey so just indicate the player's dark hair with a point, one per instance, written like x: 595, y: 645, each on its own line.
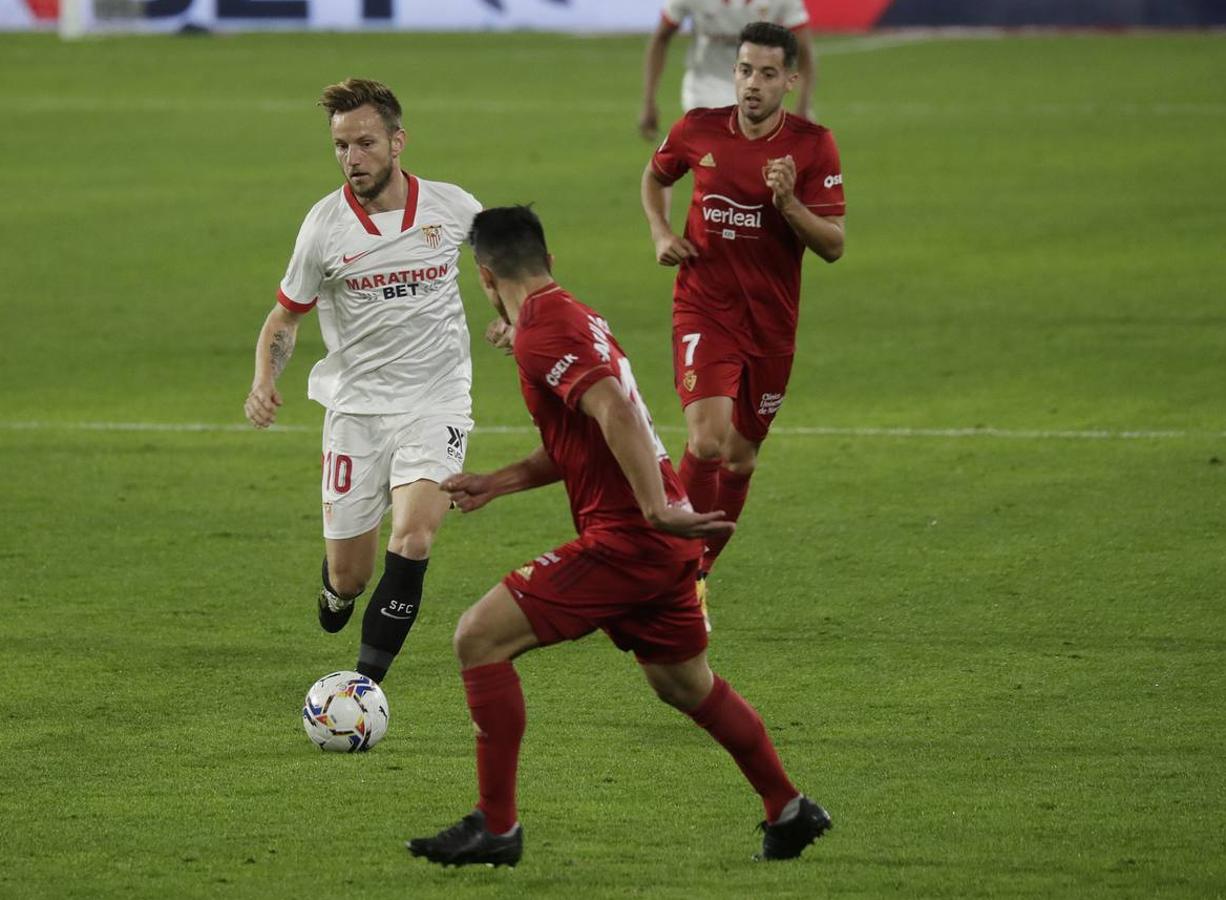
x: 351, y: 93
x: 768, y: 34
x: 510, y: 241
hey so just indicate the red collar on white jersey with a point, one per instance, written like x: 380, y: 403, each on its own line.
x: 410, y: 206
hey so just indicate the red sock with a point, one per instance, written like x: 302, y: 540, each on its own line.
x: 733, y: 491
x: 700, y: 478
x: 739, y: 729
x: 496, y: 703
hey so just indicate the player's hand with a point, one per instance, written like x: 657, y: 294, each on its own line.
x: 780, y: 177
x: 684, y: 522
x: 672, y: 250
x: 262, y: 404
x: 469, y: 491
x: 500, y: 336
x: 649, y: 124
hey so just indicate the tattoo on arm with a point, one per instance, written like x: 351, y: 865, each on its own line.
x: 281, y: 349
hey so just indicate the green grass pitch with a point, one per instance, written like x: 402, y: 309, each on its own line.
x: 998, y: 657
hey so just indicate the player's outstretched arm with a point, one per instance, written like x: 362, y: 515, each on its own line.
x: 671, y: 249
x: 629, y: 437
x: 806, y: 67
x: 272, y: 352
x: 653, y: 68
x: 470, y: 490
x: 821, y: 234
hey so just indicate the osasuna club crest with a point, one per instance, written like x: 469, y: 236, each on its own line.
x: 433, y: 235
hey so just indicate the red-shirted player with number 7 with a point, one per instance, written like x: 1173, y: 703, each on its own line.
x: 629, y: 573
x: 767, y: 185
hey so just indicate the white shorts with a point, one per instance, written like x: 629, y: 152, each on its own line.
x: 364, y: 457
x: 710, y: 91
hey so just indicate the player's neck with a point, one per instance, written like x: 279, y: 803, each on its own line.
x: 755, y: 130
x: 514, y: 293
x: 393, y: 196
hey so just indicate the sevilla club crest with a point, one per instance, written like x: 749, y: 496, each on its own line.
x: 433, y: 235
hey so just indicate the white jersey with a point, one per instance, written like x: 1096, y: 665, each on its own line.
x: 389, y: 306
x: 717, y: 25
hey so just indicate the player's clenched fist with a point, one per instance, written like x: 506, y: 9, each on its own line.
x: 261, y: 405
x: 671, y: 250
x: 469, y: 491
x: 501, y: 336
x: 780, y: 176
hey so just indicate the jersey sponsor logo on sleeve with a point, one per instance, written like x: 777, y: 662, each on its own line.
x: 600, y: 336
x: 708, y: 161
x: 832, y: 180
x: 554, y: 378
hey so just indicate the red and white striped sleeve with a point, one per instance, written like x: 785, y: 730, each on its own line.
x: 299, y: 289
x: 675, y: 12
x: 795, y: 15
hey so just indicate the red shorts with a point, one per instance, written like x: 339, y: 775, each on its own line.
x: 709, y: 362
x: 651, y: 609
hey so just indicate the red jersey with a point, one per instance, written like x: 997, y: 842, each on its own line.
x: 563, y: 348
x: 747, y: 272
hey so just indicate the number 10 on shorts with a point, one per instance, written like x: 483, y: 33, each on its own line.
x: 338, y: 472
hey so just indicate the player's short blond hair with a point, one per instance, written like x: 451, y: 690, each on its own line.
x: 351, y: 93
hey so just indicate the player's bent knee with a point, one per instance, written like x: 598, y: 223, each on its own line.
x: 682, y: 694
x: 347, y: 582
x: 413, y: 544
x: 472, y: 643
x: 705, y: 445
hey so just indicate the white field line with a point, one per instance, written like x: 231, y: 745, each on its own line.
x: 891, y: 40
x: 782, y: 430
x: 52, y: 105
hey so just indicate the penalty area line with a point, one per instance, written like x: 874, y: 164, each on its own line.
x: 782, y: 430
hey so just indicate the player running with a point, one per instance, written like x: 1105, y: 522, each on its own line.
x: 709, y: 63
x: 767, y: 185
x: 378, y: 258
x: 629, y: 573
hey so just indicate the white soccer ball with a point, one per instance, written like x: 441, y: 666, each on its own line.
x: 345, y: 713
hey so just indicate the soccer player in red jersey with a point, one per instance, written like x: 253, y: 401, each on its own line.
x: 629, y: 573
x: 767, y: 185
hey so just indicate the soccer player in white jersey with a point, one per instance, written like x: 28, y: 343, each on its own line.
x: 709, y: 65
x: 377, y: 259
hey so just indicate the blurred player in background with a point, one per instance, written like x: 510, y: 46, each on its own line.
x: 630, y: 572
x: 767, y: 185
x: 708, y: 79
x: 378, y: 259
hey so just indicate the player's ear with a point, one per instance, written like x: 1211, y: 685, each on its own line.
x: 793, y: 79
x: 399, y: 139
x: 549, y: 262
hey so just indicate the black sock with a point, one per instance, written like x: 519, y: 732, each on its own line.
x: 390, y: 613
